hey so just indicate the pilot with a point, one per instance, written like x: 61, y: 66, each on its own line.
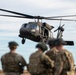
x: 12, y: 63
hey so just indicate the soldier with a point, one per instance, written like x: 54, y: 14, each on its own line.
x: 39, y: 63
x: 52, y: 53
x: 12, y: 63
x: 64, y: 63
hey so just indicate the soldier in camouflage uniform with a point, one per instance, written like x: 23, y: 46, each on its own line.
x: 12, y: 63
x: 64, y: 63
x: 52, y: 53
x: 39, y: 63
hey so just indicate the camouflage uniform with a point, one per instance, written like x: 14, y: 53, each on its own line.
x: 44, y: 63
x: 52, y: 55
x: 39, y: 63
x: 62, y: 66
x: 52, y: 52
x: 12, y: 63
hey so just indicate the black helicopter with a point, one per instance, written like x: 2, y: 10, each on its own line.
x: 38, y: 31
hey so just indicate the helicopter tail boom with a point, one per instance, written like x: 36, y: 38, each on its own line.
x: 71, y: 43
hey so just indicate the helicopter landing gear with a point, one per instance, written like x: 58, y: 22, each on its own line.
x: 23, y: 41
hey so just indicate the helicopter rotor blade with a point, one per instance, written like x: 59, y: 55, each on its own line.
x: 46, y: 18
x: 28, y: 16
x: 62, y: 16
x: 37, y: 17
x: 13, y: 16
x: 62, y: 19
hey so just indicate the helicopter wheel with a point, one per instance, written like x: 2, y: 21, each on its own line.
x: 23, y: 41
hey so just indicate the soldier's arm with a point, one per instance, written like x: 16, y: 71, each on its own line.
x: 23, y: 62
x: 47, y: 53
x: 58, y: 65
x: 48, y: 61
x: 2, y: 63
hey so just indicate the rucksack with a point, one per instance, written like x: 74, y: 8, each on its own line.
x: 69, y: 59
x: 35, y: 64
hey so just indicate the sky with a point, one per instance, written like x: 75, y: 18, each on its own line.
x: 9, y: 27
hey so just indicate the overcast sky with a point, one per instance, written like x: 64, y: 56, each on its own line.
x: 9, y: 27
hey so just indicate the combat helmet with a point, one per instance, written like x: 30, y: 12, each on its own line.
x: 59, y: 41
x: 51, y: 42
x: 42, y: 46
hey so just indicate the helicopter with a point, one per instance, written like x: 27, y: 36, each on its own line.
x: 38, y: 31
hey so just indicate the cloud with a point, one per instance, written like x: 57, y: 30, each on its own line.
x: 33, y: 6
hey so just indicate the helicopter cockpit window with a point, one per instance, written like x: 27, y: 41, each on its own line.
x: 31, y: 26
x: 24, y: 25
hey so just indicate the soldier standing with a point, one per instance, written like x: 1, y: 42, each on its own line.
x: 64, y: 64
x: 39, y: 63
x: 12, y: 63
x: 52, y: 53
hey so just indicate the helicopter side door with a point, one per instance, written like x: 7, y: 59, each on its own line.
x: 45, y: 32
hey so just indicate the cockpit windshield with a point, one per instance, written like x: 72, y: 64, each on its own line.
x: 31, y: 26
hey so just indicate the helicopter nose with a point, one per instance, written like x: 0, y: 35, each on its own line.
x: 24, y: 30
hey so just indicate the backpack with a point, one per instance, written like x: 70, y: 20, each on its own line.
x: 70, y: 59
x: 35, y: 64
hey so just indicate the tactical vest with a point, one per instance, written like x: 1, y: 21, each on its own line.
x: 68, y: 63
x: 36, y: 65
x: 10, y: 63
